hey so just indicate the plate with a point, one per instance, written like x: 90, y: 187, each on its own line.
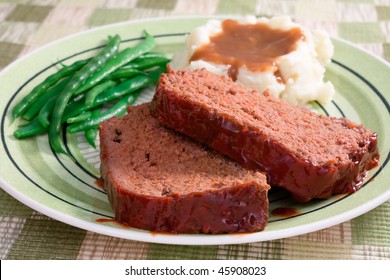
x: 65, y: 190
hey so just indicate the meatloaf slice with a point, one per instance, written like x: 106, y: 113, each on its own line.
x: 310, y: 155
x: 159, y: 180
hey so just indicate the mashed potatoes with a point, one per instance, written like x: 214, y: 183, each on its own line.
x: 297, y: 76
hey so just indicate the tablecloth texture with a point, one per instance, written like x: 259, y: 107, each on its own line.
x: 27, y: 25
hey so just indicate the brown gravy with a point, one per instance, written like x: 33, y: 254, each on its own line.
x: 254, y: 45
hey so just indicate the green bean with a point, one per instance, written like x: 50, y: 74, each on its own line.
x: 79, y: 118
x: 91, y: 133
x: 145, y: 63
x: 77, y: 108
x: 36, y: 106
x: 95, y: 91
x: 31, y: 129
x: 46, y: 111
x: 121, y: 59
x: 74, y: 108
x: 156, y: 73
x: 123, y: 88
x: 136, y: 83
x: 118, y: 109
x: 124, y: 73
x: 51, y: 80
x: 133, y: 68
x: 151, y: 55
x: 63, y: 97
x: 84, y: 73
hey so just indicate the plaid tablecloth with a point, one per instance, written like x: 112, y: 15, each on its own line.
x: 28, y: 24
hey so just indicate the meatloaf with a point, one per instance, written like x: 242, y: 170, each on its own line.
x: 310, y: 155
x: 159, y: 180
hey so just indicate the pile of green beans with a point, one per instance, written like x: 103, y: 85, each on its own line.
x: 75, y: 95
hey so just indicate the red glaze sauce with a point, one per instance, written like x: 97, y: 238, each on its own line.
x: 236, y: 209
x: 254, y: 150
x: 109, y: 220
x: 99, y: 183
x: 285, y: 212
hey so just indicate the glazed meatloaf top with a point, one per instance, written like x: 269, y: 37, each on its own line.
x: 316, y: 138
x: 310, y: 155
x: 159, y: 180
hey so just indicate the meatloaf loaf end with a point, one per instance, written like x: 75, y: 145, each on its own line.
x: 159, y: 180
x: 310, y: 155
